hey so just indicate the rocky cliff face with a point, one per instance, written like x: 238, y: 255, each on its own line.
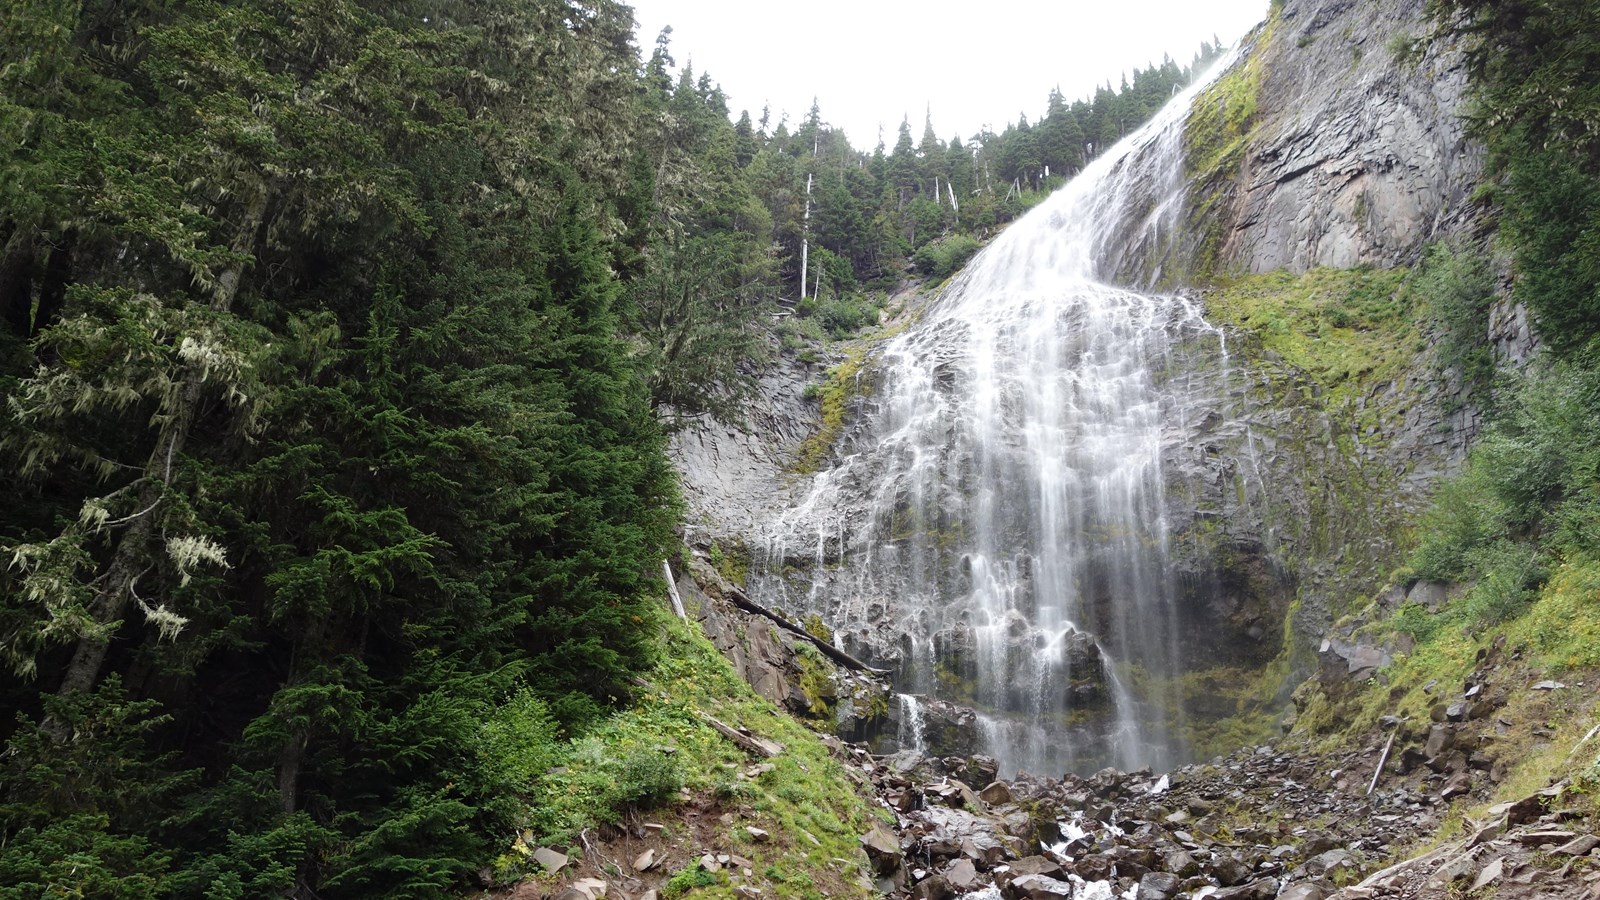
x: 1289, y: 496
x: 1357, y: 155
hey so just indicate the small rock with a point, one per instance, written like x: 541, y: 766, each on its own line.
x: 746, y: 892
x: 759, y: 835
x: 552, y: 861
x: 1157, y: 886
x: 645, y: 861
x: 1579, y: 846
x: 1452, y: 871
x: 1303, y: 890
x: 593, y: 888
x: 1489, y: 875
x: 1549, y: 686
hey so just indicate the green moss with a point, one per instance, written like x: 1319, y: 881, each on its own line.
x: 732, y: 564
x: 1348, y: 330
x: 815, y: 680
x: 817, y: 628
x: 842, y: 385
x: 1220, y: 124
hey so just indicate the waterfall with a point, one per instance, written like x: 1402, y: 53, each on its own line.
x: 912, y: 725
x: 998, y: 531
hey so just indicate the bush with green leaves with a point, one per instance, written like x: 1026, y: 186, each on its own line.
x: 647, y: 778
x: 940, y: 258
x: 1456, y: 287
x: 1527, y: 499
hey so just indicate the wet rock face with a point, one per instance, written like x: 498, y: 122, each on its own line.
x: 1360, y: 155
x: 732, y: 475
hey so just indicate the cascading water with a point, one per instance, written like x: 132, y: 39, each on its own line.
x: 999, y: 536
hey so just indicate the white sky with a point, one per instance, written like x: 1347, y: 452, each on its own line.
x: 871, y: 62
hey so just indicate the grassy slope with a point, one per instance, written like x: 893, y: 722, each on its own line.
x: 814, y: 812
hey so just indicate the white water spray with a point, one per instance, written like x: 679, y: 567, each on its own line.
x: 1000, y: 533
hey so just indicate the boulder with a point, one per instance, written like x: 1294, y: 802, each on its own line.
x: 1180, y: 863
x: 1453, y: 870
x: 934, y: 887
x: 1261, y: 889
x: 1333, y: 864
x: 962, y: 875
x: 982, y: 770
x: 1158, y: 886
x: 883, y: 849
x: 996, y: 794
x: 1489, y: 874
x: 1038, y: 887
x: 1229, y: 871
x: 1342, y: 661
x: 1037, y: 865
x: 1094, y: 867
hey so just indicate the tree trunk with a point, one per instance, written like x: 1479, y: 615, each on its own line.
x: 16, y: 283
x: 294, y: 750
x: 130, y: 557
x: 53, y: 289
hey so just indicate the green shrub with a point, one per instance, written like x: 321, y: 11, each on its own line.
x: 647, y: 778
x: 687, y: 879
x: 517, y: 744
x: 1456, y: 288
x: 1414, y: 619
x: 1508, y: 577
x: 1465, y: 515
x: 939, y: 258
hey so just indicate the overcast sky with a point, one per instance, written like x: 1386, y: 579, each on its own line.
x: 871, y: 62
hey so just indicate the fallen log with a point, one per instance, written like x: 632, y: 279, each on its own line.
x: 834, y: 653
x: 1382, y: 761
x: 672, y: 591
x: 750, y: 743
